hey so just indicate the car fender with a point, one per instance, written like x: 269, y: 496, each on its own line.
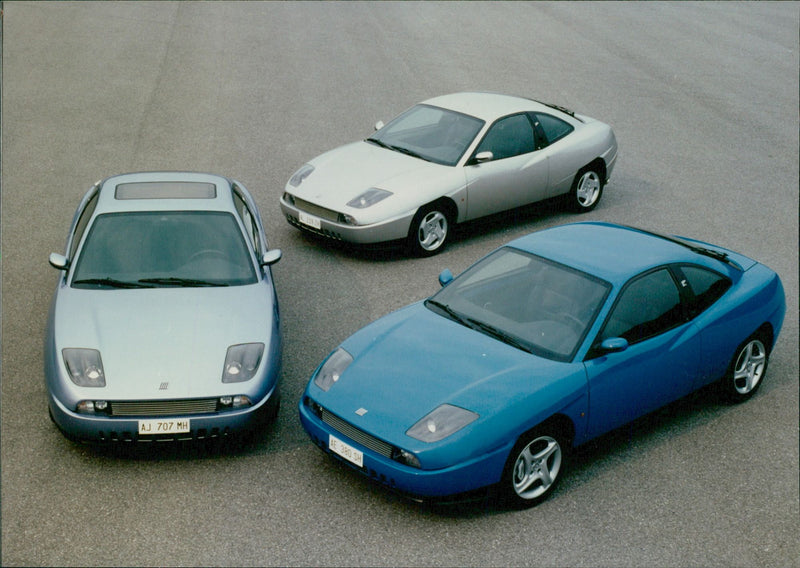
x: 759, y: 299
x: 416, y: 189
x: 566, y: 396
x: 568, y: 156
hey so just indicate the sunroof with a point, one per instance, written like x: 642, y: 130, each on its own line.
x: 166, y: 190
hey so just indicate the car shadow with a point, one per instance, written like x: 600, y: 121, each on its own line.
x: 210, y: 448
x: 682, y: 415
x: 462, y: 234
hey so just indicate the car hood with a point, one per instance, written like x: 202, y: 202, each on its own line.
x: 344, y: 173
x: 410, y: 362
x: 178, y: 336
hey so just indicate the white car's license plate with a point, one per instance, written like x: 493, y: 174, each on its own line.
x: 166, y: 426
x: 310, y: 220
x: 346, y: 451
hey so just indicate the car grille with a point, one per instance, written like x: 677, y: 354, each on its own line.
x: 163, y: 407
x: 347, y: 429
x: 316, y: 210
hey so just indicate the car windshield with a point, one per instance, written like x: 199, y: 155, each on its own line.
x: 430, y: 133
x: 531, y: 303
x: 164, y: 249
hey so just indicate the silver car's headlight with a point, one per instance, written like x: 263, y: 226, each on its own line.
x: 241, y: 362
x: 368, y: 198
x: 300, y: 175
x: 441, y: 423
x: 333, y: 368
x: 85, y: 367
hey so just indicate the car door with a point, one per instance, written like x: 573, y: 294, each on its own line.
x: 662, y: 358
x: 516, y: 174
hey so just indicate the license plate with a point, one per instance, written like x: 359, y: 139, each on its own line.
x: 310, y: 220
x: 346, y: 451
x: 168, y: 426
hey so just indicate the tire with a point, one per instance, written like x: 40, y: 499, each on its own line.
x: 429, y: 230
x: 534, y: 467
x: 586, y: 190
x: 746, y: 371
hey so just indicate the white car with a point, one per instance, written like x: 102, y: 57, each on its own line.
x: 447, y: 160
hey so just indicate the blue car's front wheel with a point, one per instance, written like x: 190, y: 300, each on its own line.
x: 535, y: 465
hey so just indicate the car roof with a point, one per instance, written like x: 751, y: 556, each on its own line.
x: 614, y: 253
x: 163, y: 191
x: 488, y: 106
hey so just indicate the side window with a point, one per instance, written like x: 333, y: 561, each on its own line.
x: 249, y: 223
x: 554, y: 128
x: 707, y: 287
x: 509, y: 136
x: 648, y: 306
x: 80, y: 227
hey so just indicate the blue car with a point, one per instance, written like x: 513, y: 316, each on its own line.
x: 544, y: 344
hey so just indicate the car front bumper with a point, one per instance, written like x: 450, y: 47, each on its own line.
x: 317, y: 223
x: 461, y: 478
x: 103, y: 429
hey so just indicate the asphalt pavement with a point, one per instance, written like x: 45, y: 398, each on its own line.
x: 704, y: 101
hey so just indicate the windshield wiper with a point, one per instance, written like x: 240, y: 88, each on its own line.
x: 449, y: 311
x: 185, y: 282
x: 380, y: 143
x: 408, y: 152
x: 111, y: 283
x: 498, y: 334
x: 400, y: 149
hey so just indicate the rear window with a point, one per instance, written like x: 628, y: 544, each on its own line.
x: 166, y: 190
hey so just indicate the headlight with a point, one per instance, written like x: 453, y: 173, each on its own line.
x: 241, y: 362
x: 333, y: 368
x: 85, y: 367
x: 368, y: 198
x: 441, y: 423
x: 300, y: 175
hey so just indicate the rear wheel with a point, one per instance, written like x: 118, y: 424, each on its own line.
x: 534, y: 467
x: 747, y: 370
x: 586, y: 189
x: 429, y: 230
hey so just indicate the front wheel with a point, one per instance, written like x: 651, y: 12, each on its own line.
x: 586, y: 190
x: 429, y: 231
x: 747, y: 370
x: 533, y: 469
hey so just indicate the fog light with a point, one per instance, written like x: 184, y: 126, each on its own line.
x: 406, y: 458
x: 347, y: 219
x: 101, y: 405
x: 240, y: 401
x: 226, y: 400
x: 85, y: 407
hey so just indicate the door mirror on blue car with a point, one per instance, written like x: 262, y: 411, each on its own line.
x: 445, y: 277
x: 614, y: 345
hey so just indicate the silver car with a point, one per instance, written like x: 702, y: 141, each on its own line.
x: 164, y: 324
x: 447, y: 160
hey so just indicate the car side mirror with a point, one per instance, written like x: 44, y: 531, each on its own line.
x: 486, y: 156
x: 271, y: 257
x: 445, y: 277
x: 379, y: 125
x: 613, y: 345
x: 59, y: 261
